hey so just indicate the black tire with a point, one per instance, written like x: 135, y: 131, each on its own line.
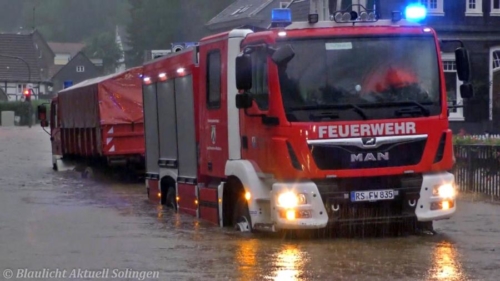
x: 241, y: 214
x: 54, y: 166
x: 88, y: 173
x: 425, y: 225
x: 170, y: 198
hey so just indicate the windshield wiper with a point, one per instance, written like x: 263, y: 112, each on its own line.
x: 356, y: 108
x: 420, y: 108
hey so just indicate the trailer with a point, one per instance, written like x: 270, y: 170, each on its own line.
x: 98, y: 121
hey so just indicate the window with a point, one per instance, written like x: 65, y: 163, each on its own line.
x: 496, y: 60
x: 495, y: 8
x: 80, y: 68
x: 213, y: 79
x: 259, y: 90
x: 474, y: 7
x: 434, y: 7
x: 494, y: 77
x: 452, y: 86
x: 61, y: 59
x: 20, y: 88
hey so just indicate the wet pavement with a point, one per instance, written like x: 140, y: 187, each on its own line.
x: 56, y: 221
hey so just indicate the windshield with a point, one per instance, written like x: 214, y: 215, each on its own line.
x: 361, y: 78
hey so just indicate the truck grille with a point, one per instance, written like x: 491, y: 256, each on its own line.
x: 332, y: 156
x: 335, y: 193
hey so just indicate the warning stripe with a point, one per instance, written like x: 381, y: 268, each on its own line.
x: 110, y: 146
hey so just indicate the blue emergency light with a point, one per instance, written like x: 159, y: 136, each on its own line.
x: 415, y: 12
x: 281, y: 17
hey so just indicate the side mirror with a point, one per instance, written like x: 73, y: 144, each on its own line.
x: 466, y: 91
x: 283, y: 55
x: 463, y: 64
x: 41, y: 113
x: 244, y: 101
x: 243, y: 72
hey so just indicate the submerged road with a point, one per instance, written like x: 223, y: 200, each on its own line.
x: 60, y: 224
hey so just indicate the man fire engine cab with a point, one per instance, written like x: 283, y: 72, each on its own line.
x: 349, y: 120
x: 305, y: 125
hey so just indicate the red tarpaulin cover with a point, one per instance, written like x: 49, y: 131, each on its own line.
x: 107, y: 100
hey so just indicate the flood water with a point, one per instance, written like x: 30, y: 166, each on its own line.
x: 59, y: 221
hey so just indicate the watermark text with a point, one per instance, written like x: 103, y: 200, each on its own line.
x: 79, y: 273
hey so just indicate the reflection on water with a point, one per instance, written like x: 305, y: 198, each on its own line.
x: 289, y: 263
x: 246, y: 258
x: 446, y: 264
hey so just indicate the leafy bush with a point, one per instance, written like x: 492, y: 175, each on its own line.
x: 21, y: 109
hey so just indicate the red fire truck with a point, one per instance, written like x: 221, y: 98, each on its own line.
x: 305, y: 125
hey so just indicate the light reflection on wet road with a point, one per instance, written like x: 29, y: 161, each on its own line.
x: 57, y: 220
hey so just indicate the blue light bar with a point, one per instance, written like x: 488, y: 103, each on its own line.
x: 415, y: 12
x: 281, y: 16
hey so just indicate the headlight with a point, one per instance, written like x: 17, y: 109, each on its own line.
x: 445, y: 191
x: 291, y: 200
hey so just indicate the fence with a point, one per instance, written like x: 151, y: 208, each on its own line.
x: 477, y: 167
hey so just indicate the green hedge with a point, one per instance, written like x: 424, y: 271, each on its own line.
x: 21, y: 109
x: 477, y: 140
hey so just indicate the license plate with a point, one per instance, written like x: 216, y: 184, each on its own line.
x: 372, y: 195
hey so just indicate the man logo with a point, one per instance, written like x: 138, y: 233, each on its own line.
x: 369, y: 141
x: 370, y: 157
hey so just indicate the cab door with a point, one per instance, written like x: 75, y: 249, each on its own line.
x: 256, y: 135
x: 213, y: 150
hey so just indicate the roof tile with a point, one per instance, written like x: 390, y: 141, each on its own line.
x: 23, y: 46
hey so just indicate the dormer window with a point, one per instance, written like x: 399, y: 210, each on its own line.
x: 434, y: 7
x: 495, y: 8
x: 474, y: 8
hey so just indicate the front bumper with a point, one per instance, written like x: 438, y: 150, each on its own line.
x: 328, y: 202
x: 311, y: 215
x: 428, y: 205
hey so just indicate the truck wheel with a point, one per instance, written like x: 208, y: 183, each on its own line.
x: 425, y: 228
x: 241, y: 217
x: 170, y: 198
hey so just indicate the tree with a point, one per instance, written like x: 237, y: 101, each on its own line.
x: 156, y: 24
x: 103, y: 45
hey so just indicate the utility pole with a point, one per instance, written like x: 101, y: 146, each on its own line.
x: 34, y: 11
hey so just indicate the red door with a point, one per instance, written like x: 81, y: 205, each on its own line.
x: 213, y: 108
x: 256, y: 135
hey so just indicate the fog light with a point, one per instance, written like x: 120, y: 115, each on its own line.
x: 290, y: 215
x: 159, y: 194
x: 301, y: 198
x: 445, y: 205
x: 444, y: 191
x: 442, y: 205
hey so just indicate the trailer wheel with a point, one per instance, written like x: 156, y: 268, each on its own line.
x: 87, y: 173
x: 241, y: 217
